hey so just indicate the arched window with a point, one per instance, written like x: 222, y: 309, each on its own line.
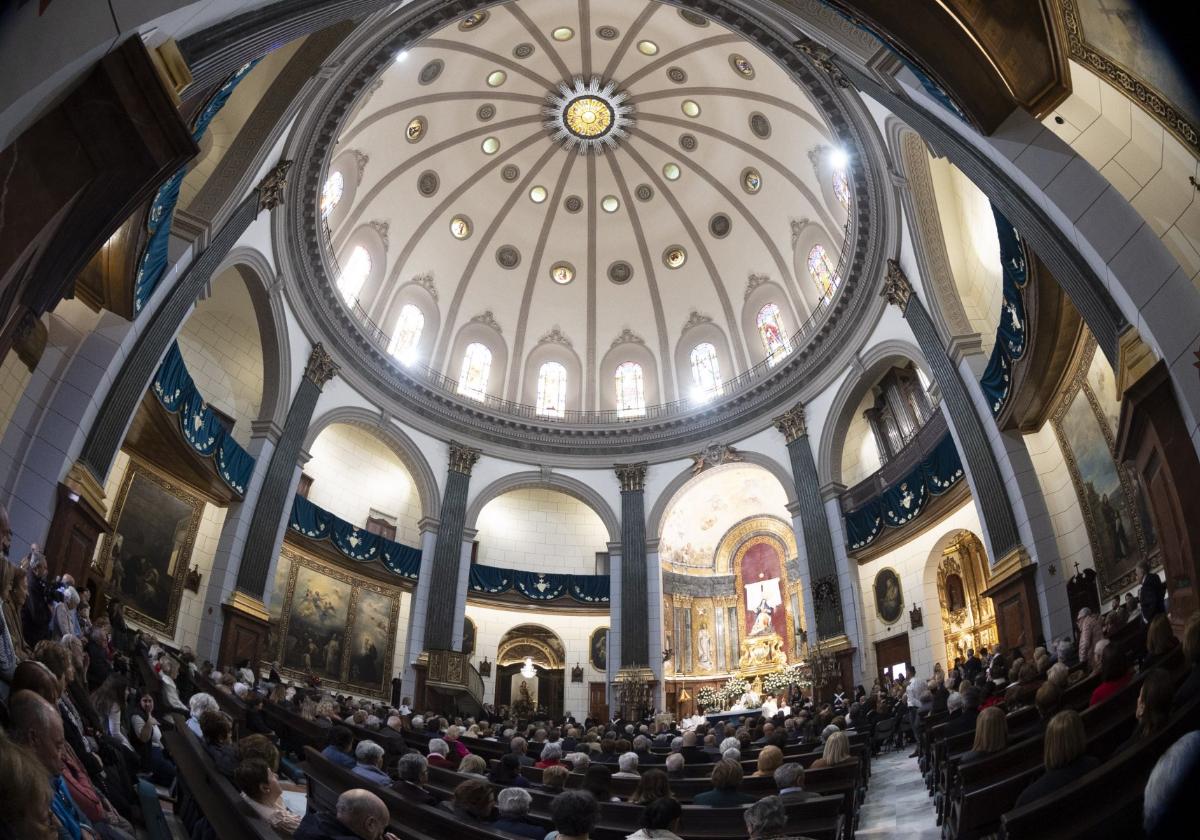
x: 476, y: 366
x: 631, y: 391
x: 770, y: 330
x: 331, y: 193
x: 354, y: 274
x: 841, y: 187
x: 407, y: 335
x: 706, y: 370
x: 552, y: 390
x: 822, y: 272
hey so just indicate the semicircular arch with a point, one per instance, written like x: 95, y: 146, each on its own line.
x: 572, y: 487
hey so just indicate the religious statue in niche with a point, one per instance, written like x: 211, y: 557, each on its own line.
x: 704, y: 647
x: 760, y: 574
x: 765, y: 609
x: 889, y: 598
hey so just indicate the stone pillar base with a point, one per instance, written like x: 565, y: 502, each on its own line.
x: 246, y: 631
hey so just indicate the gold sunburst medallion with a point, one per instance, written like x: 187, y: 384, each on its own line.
x: 588, y: 116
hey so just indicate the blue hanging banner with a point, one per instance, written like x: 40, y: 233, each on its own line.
x: 1012, y: 331
x: 316, y: 523
x: 198, y: 424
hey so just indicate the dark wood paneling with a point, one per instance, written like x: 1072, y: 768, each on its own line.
x: 243, y: 636
x: 1018, y: 617
x: 74, y: 532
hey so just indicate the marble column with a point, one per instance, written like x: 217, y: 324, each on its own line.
x: 445, y: 571
x: 979, y: 462
x: 634, y: 605
x: 414, y: 641
x: 818, y: 544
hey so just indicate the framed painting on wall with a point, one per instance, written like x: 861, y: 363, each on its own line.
x: 889, y: 596
x: 155, y: 522
x: 598, y: 648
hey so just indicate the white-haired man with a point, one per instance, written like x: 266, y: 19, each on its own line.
x: 627, y: 767
x: 513, y: 804
x: 360, y: 815
x: 368, y: 763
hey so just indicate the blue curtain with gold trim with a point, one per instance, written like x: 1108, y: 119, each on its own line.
x: 199, y: 426
x: 1012, y: 331
x: 537, y: 586
x: 316, y: 523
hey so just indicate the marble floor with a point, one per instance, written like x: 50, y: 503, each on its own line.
x: 897, y: 803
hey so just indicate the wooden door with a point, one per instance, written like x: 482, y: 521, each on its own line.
x: 598, y: 701
x: 891, y: 652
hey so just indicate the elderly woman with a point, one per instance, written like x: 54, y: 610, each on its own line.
x: 766, y: 818
x: 768, y: 761
x: 369, y: 763
x: 169, y: 670
x: 474, y: 766
x: 473, y: 801
x: 726, y: 779
x: 14, y: 589
x: 837, y: 751
x: 458, y: 749
x: 551, y: 755
x: 439, y: 751
x: 64, y: 618
x: 513, y: 804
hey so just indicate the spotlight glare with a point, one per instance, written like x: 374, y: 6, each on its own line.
x: 699, y: 396
x: 838, y: 158
x: 402, y: 56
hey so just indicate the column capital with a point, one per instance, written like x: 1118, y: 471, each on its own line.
x: 270, y: 188
x: 462, y: 458
x: 632, y: 477
x: 792, y: 424
x: 896, y: 286
x: 320, y: 368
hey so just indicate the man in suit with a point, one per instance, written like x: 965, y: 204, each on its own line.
x: 1150, y: 596
x: 789, y: 778
x: 675, y: 766
x: 726, y: 779
x: 972, y: 666
x: 520, y: 746
x: 692, y: 752
x: 965, y: 722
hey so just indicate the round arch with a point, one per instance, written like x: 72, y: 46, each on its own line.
x: 681, y: 479
x: 572, y: 487
x: 394, y: 439
x: 874, y: 362
x: 929, y: 590
x: 537, y: 636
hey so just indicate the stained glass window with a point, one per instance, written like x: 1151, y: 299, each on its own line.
x: 706, y: 370
x: 354, y: 274
x: 552, y: 390
x: 476, y: 365
x: 631, y: 391
x: 822, y: 271
x: 841, y: 187
x: 331, y: 193
x: 770, y: 330
x: 408, y: 333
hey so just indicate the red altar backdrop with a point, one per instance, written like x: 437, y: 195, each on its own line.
x: 762, y: 576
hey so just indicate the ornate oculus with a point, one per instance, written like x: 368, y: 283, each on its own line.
x: 460, y: 227
x: 587, y: 116
x: 431, y: 71
x: 485, y: 112
x: 610, y: 204
x: 428, y: 182
x: 647, y: 48
x: 693, y: 18
x: 607, y: 33
x: 671, y: 172
x: 496, y: 78
x: 644, y: 192
x: 538, y: 194
x: 677, y: 75
x: 719, y: 225
x: 522, y: 50
x: 473, y: 21
x: 688, y: 142
x: 490, y: 145
x: 690, y: 108
x: 510, y: 172
x: 675, y: 256
x: 562, y: 273
x: 760, y: 125
x: 415, y: 129
x: 563, y: 33
x: 508, y: 256
x: 620, y: 272
x: 751, y: 180
x: 742, y: 66
x: 573, y: 204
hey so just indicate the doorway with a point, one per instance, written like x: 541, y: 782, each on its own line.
x: 598, y: 701
x: 893, y: 658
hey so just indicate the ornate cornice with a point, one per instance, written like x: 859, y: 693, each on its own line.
x: 896, y: 286
x: 695, y: 320
x: 462, y: 457
x: 381, y: 227
x: 627, y: 336
x: 753, y: 281
x: 555, y: 336
x: 714, y: 456
x: 792, y: 424
x: 488, y: 320
x: 320, y: 368
x: 632, y: 477
x: 270, y: 188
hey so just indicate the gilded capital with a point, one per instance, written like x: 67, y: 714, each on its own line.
x: 896, y: 287
x: 631, y: 476
x: 462, y: 458
x: 270, y: 189
x: 824, y: 58
x: 320, y: 368
x: 792, y: 424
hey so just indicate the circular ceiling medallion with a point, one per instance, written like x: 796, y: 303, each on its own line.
x: 538, y: 194
x: 573, y: 204
x: 490, y: 145
x: 460, y: 227
x: 610, y: 204
x: 693, y: 18
x: 760, y: 126
x: 588, y: 116
x: 607, y: 33
x: 472, y: 21
x: 751, y: 180
x: 690, y: 108
x: 415, y: 129
x: 677, y: 75
x: 508, y: 256
x: 719, y: 225
x: 620, y: 272
x: 523, y: 50
x: 510, y: 172
x: 496, y: 78
x: 688, y: 142
x: 562, y: 273
x: 428, y: 183
x: 671, y: 171
x: 431, y: 71
x: 644, y: 192
x: 485, y: 111
x: 563, y: 33
x: 675, y: 256
x: 647, y: 48
x: 742, y: 66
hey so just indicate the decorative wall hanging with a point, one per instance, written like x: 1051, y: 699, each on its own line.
x: 889, y: 596
x: 598, y: 649
x: 577, y: 674
x: 319, y: 524
x: 1011, y: 334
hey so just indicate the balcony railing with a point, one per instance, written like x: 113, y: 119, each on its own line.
x: 916, y: 450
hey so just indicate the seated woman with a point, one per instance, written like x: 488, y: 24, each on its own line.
x: 198, y: 704
x: 1160, y: 642
x: 1063, y: 756
x: 660, y: 821
x: 991, y: 735
x: 653, y: 785
x: 458, y: 750
x: 837, y: 751
x: 551, y: 755
x: 109, y: 701
x: 508, y: 772
x: 1153, y: 705
x: 554, y: 779
x: 1114, y: 674
x: 768, y: 761
x: 260, y: 788
x: 473, y: 765
x: 726, y: 779
x: 218, y: 736
x: 168, y: 672
x: 473, y: 802
x: 438, y: 752
x: 146, y: 730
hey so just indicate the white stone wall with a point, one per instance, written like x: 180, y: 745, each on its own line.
x: 860, y: 452
x: 539, y: 530
x: 575, y: 631
x: 221, y: 347
x: 354, y: 472
x: 14, y: 376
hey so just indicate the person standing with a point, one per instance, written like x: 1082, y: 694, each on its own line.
x: 1151, y: 596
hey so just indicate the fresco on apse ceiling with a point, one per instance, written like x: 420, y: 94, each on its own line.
x: 1103, y: 382
x: 708, y: 506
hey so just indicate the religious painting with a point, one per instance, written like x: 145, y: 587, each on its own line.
x: 598, y: 647
x: 318, y: 608
x: 154, y: 529
x: 889, y: 596
x: 761, y: 570
x: 468, y: 637
x: 764, y: 623
x: 370, y: 637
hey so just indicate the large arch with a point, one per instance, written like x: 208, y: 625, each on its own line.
x: 396, y: 440
x: 572, y: 487
x: 873, y: 363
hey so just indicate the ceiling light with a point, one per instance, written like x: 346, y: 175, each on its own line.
x: 460, y: 227
x: 690, y: 108
x: 402, y: 56
x: 496, y: 78
x: 537, y: 195
x: 699, y: 396
x: 838, y: 158
x: 563, y: 33
x: 527, y: 670
x: 490, y: 145
x: 675, y: 256
x: 408, y: 358
x: 671, y: 172
x: 610, y: 204
x: 562, y: 273
x: 647, y: 48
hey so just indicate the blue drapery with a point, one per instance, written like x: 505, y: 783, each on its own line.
x: 536, y: 586
x: 158, y: 223
x: 903, y: 501
x: 319, y: 524
x: 198, y: 424
x: 1011, y: 334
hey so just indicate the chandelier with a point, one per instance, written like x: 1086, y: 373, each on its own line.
x: 633, y: 691
x: 528, y: 671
